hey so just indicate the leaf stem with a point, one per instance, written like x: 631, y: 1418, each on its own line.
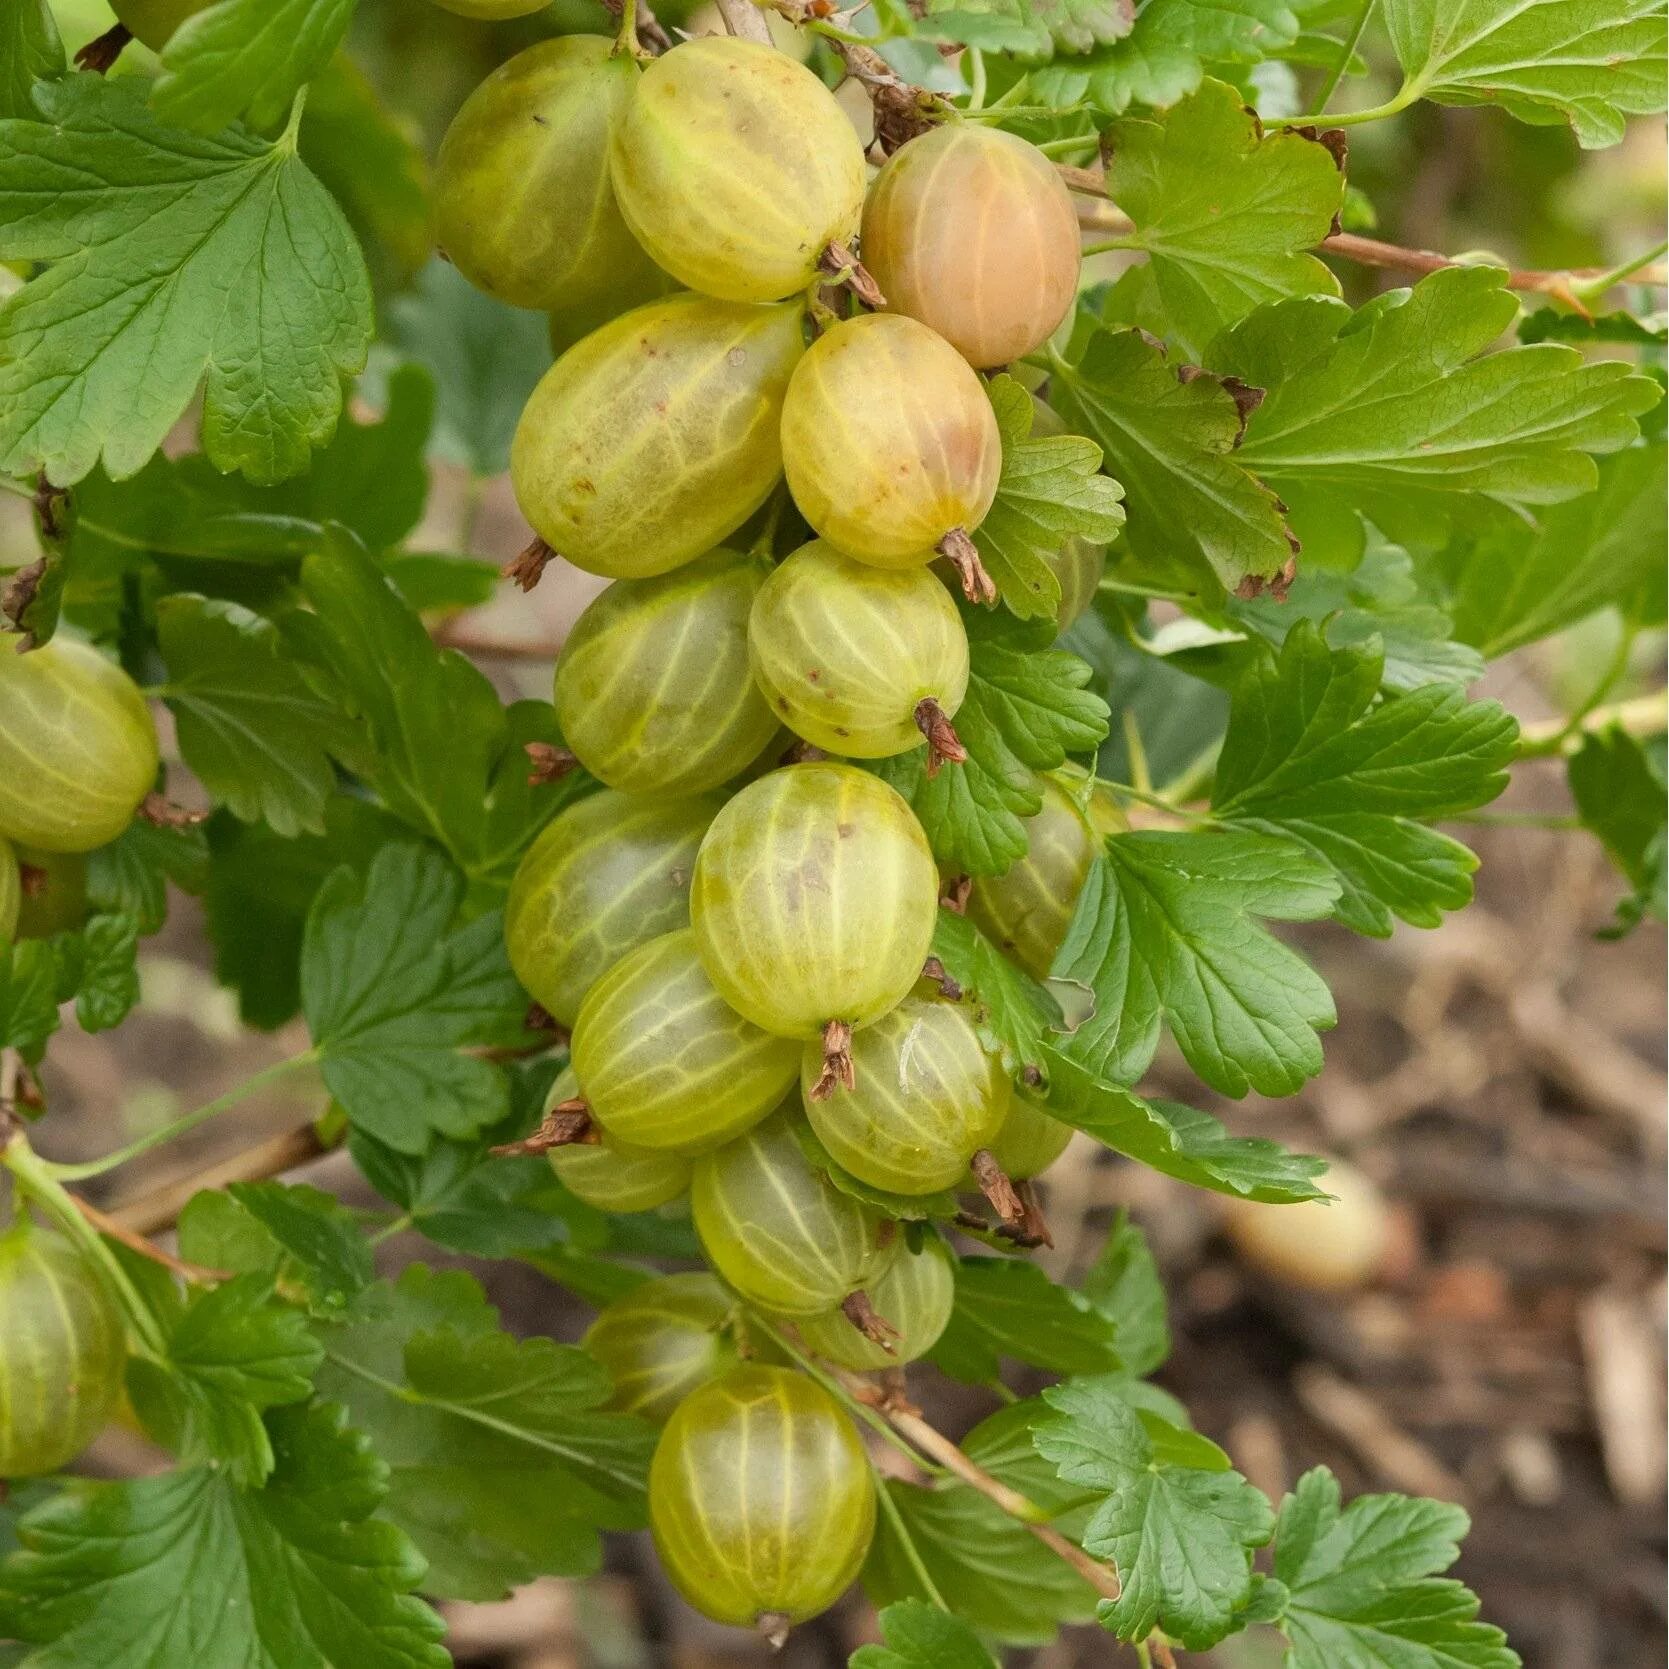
x: 1130, y: 240
x: 1587, y: 289
x: 1641, y: 715
x: 976, y: 79
x: 180, y: 1126
x: 1340, y: 69
x: 1409, y: 93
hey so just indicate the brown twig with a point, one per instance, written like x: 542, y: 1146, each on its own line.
x: 193, y: 1273
x: 744, y: 20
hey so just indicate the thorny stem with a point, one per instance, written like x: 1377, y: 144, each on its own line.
x: 1337, y: 74
x: 193, y: 1273
x: 180, y: 1126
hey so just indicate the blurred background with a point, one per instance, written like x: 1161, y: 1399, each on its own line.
x: 1501, y: 1079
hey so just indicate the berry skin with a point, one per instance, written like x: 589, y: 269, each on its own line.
x: 889, y: 441
x: 664, y: 1063
x: 606, y: 875
x: 761, y: 1500
x: 736, y: 168
x: 61, y: 1368
x: 492, y: 11
x: 1027, y: 909
x: 658, y: 434
x: 846, y: 653
x: 11, y: 892
x: 925, y: 1098
x: 523, y: 207
x: 814, y: 899
x: 1030, y: 1140
x: 611, y: 1175
x: 77, y: 749
x: 662, y: 1340
x: 152, y: 22
x: 1332, y: 1245
x: 971, y: 231
x: 914, y: 1296
x: 780, y: 1232
x: 652, y: 690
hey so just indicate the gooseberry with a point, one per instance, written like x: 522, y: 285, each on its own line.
x: 606, y: 875
x: 492, y: 11
x: 1030, y: 1140
x: 77, y: 750
x: 656, y: 435
x: 652, y: 690
x: 737, y: 169
x: 860, y: 661
x: 914, y: 1297
x: 609, y: 1174
x: 1331, y: 1245
x: 664, y: 1062
x: 761, y: 1499
x: 779, y: 1231
x: 662, y: 1340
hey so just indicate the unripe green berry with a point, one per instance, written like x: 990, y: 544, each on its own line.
x: 662, y: 1340
x: 914, y: 1296
x: 1030, y: 1140
x: 612, y: 1175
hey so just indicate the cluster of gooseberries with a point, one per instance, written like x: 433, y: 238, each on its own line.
x: 734, y: 929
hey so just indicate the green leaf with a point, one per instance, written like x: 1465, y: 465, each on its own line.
x: 1311, y: 755
x: 221, y: 261
x: 921, y: 1636
x: 1170, y: 436
x: 30, y: 51
x: 502, y: 1469
x: 1008, y: 1308
x: 1051, y: 490
x: 28, y: 997
x: 1026, y: 709
x: 1592, y: 62
x: 233, y: 1352
x: 1180, y: 1141
x: 1619, y: 791
x: 1012, y: 1011
x: 1515, y: 587
x: 1362, y: 1591
x: 395, y: 996
x: 107, y: 975
x: 1396, y: 413
x: 245, y: 56
x: 1226, y: 213
x: 1180, y: 1535
x: 1165, y: 931
x: 1124, y: 1283
x: 249, y: 724
x: 188, y: 1568
x: 130, y: 876
x: 293, y: 1232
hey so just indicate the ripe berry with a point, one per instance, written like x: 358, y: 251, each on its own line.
x: 605, y: 876
x: 889, y: 441
x: 736, y: 169
x: 652, y: 690
x: 523, y: 205
x: 761, y: 1500
x: 780, y: 1232
x: 658, y: 434
x: 971, y: 231
x: 61, y: 1368
x: 925, y: 1097
x: 1332, y: 1245
x: 914, y: 1297
x: 77, y: 749
x: 663, y: 1062
x: 814, y: 899
x: 1030, y: 1141
x: 613, y: 1175
x: 849, y: 654
x: 662, y: 1340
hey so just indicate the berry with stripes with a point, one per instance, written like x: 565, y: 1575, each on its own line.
x: 605, y: 461
x: 663, y: 1339
x: 652, y: 690
x: 761, y: 1499
x: 737, y: 169
x: 605, y: 1173
x: 861, y: 661
x: 913, y: 1297
x: 1030, y: 1140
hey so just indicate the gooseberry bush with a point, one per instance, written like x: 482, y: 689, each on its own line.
x: 997, y: 652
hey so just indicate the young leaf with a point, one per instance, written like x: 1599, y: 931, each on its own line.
x: 1618, y: 786
x: 188, y: 1568
x: 1226, y: 213
x: 30, y: 51
x: 1594, y: 62
x: 501, y: 1467
x: 130, y: 876
x: 1361, y: 1588
x: 1178, y: 1525
x: 1165, y: 931
x: 1051, y: 490
x: 245, y: 56
x: 1169, y: 435
x: 1124, y: 1283
x: 249, y: 724
x: 220, y: 259
x: 1026, y: 709
x: 1398, y: 414
x: 1013, y: 1012
x: 1008, y: 1308
x: 1310, y: 757
x: 921, y: 1636
x: 106, y: 980
x: 233, y: 1352
x: 28, y: 997
x: 395, y: 996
